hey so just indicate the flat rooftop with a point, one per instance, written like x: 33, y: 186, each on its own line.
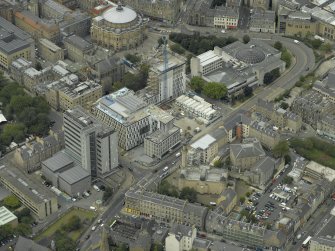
x: 159, y: 135
x: 32, y: 190
x: 74, y: 175
x: 122, y: 105
x: 57, y: 162
x: 328, y: 173
x: 6, y: 216
x: 204, y: 142
x: 209, y: 57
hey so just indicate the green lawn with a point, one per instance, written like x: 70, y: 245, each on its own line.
x: 85, y: 216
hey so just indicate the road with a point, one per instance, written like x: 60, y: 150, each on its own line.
x: 304, y: 58
x: 314, y: 224
x: 146, y: 181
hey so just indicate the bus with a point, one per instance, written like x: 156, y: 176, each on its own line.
x: 113, y: 223
x: 306, y: 242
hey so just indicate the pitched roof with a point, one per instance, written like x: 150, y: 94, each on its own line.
x: 245, y: 150
x: 24, y: 244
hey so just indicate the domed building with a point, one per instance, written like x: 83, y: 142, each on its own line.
x: 118, y: 28
x: 252, y: 55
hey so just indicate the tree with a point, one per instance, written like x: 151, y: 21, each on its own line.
x: 287, y: 58
x: 23, y: 229
x: 247, y: 194
x: 215, y: 90
x: 284, y: 105
x: 316, y: 43
x: 278, y: 45
x: 157, y: 247
x: 218, y: 163
x: 122, y: 247
x: 246, y: 39
x: 242, y: 199
x: 12, y: 202
x: 271, y: 76
x: 288, y: 159
x: 25, y: 212
x: 177, y: 49
x: 281, y: 149
x: 197, y: 83
x: 6, y: 231
x: 38, y: 66
x: 166, y: 189
x: 287, y: 180
x: 63, y: 242
x: 107, y: 194
x: 326, y: 47
x: 73, y: 224
x: 248, y: 91
x: 189, y: 194
x: 135, y: 59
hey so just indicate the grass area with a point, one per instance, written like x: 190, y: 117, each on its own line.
x: 86, y: 217
x: 315, y: 149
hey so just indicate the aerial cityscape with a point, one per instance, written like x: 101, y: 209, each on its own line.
x: 167, y: 125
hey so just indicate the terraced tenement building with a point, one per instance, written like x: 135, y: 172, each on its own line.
x: 167, y: 10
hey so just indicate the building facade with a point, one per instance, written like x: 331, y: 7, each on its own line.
x: 263, y: 21
x: 14, y: 44
x: 39, y: 28
x: 161, y: 142
x: 161, y: 10
x: 49, y: 51
x: 29, y: 156
x: 89, y: 143
x: 77, y: 48
x: 164, y: 208
x: 119, y: 28
x: 42, y: 202
x: 180, y: 238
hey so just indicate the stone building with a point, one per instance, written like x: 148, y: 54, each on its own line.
x: 180, y: 238
x: 77, y: 48
x: 283, y: 119
x: 161, y: 10
x: 69, y: 92
x: 164, y: 208
x: 39, y: 28
x: 263, y: 21
x: 224, y: 17
x: 29, y: 156
x: 243, y: 156
x: 49, y: 51
x: 119, y: 28
x: 14, y: 44
x: 311, y: 106
x: 202, y: 151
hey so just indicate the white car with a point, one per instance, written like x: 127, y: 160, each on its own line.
x: 223, y: 31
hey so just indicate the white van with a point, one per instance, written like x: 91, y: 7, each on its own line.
x: 165, y: 169
x: 96, y: 188
x: 212, y: 203
x: 296, y: 41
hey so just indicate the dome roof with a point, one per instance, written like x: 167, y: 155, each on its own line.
x: 119, y: 15
x: 252, y: 55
